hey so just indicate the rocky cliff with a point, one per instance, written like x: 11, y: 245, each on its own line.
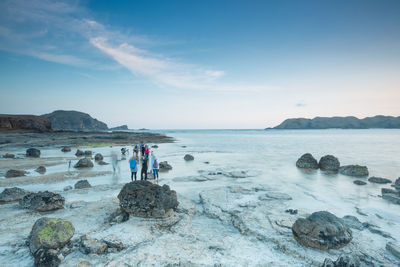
x: 387, y: 122
x: 24, y: 123
x: 120, y: 128
x: 74, y: 121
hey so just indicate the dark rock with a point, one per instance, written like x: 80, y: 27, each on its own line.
x: 88, y: 153
x: 206, y: 162
x: 307, y: 161
x: 291, y: 211
x: 98, y: 157
x: 46, y: 258
x: 9, y: 156
x: 66, y: 149
x: 42, y: 201
x: 379, y: 180
x: 12, y: 194
x: 353, y: 222
x: 188, y: 157
x: 33, y: 152
x: 344, y: 260
x: 50, y: 233
x: 79, y: 153
x: 154, y: 146
x: 15, y: 173
x: 359, y: 182
x: 164, y: 166
x: 394, y: 198
x: 84, y: 163
x: 118, y: 216
x: 322, y: 230
x: 394, y: 249
x: 120, y: 128
x: 145, y: 199
x: 329, y: 163
x: 67, y: 188
x: 82, y: 184
x: 102, y: 162
x: 41, y: 169
x: 92, y: 246
x: 389, y: 191
x: 354, y: 170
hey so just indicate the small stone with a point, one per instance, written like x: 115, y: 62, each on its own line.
x: 9, y: 156
x: 79, y: 153
x: 354, y: 170
x: 15, y: 173
x: 188, y: 157
x: 92, y: 246
x: 379, y: 180
x: 359, y: 182
x: 41, y: 169
x: 66, y: 149
x: 98, y: 157
x: 33, y: 152
x: 102, y: 162
x: 67, y: 188
x: 82, y: 184
x: 84, y: 163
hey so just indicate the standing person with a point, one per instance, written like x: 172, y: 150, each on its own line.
x: 154, y: 165
x: 114, y: 158
x: 146, y: 150
x: 133, y: 165
x: 142, y: 149
x: 144, y: 169
x: 136, y: 150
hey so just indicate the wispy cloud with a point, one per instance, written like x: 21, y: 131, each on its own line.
x: 65, y: 33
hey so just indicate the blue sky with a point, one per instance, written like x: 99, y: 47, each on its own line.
x: 200, y: 64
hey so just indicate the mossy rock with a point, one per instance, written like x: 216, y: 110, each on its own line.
x: 50, y: 233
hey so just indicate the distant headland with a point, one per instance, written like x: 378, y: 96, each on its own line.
x: 350, y: 122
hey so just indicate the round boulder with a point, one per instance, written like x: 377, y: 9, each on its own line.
x: 164, y: 166
x: 15, y: 173
x: 379, y: 180
x: 42, y: 201
x: 98, y: 157
x: 84, y: 163
x: 82, y: 184
x: 12, y: 194
x: 50, y: 233
x: 41, y: 169
x: 359, y: 182
x: 307, y: 161
x: 188, y: 157
x: 79, y: 153
x: 329, y: 163
x: 145, y: 199
x: 66, y: 149
x: 322, y: 230
x: 33, y: 152
x: 354, y: 170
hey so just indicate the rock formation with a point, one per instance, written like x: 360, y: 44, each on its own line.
x: 15, y: 173
x: 354, y: 170
x: 24, y: 123
x: 12, y: 194
x: 74, y: 121
x: 84, y: 163
x: 82, y: 184
x: 188, y: 157
x: 329, y: 163
x: 307, y: 161
x: 42, y: 201
x: 33, y: 152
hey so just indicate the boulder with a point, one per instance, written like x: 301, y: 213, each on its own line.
x: 307, y: 161
x: 353, y: 222
x: 79, y: 153
x: 154, y: 146
x: 379, y: 180
x: 92, y: 246
x: 344, y: 260
x: 329, y: 163
x: 84, y: 163
x: 41, y: 169
x: 394, y: 249
x: 102, y: 162
x: 50, y: 233
x: 394, y: 198
x: 42, y: 201
x: 118, y: 216
x: 359, y: 182
x: 66, y: 149
x: 46, y: 258
x: 8, y: 156
x: 88, y: 153
x: 12, y: 194
x: 98, y: 157
x: 145, y: 199
x: 15, y: 173
x: 389, y: 191
x: 82, y: 184
x: 164, y: 166
x: 354, y: 170
x: 188, y: 157
x: 33, y: 152
x: 67, y: 188
x: 322, y: 230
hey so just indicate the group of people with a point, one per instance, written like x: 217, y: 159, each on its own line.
x: 144, y: 156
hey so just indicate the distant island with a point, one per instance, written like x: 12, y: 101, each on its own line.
x: 120, y: 128
x: 386, y: 122
x: 74, y: 121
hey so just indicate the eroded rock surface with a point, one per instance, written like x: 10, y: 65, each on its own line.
x: 329, y: 163
x: 12, y: 194
x: 344, y: 260
x: 307, y: 161
x: 42, y: 201
x: 379, y: 180
x: 354, y: 170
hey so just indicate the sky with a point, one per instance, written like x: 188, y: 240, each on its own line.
x: 189, y: 64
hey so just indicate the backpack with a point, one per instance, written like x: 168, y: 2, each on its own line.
x: 132, y: 164
x: 155, y: 164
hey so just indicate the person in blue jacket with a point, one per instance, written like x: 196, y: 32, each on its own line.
x: 133, y: 162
